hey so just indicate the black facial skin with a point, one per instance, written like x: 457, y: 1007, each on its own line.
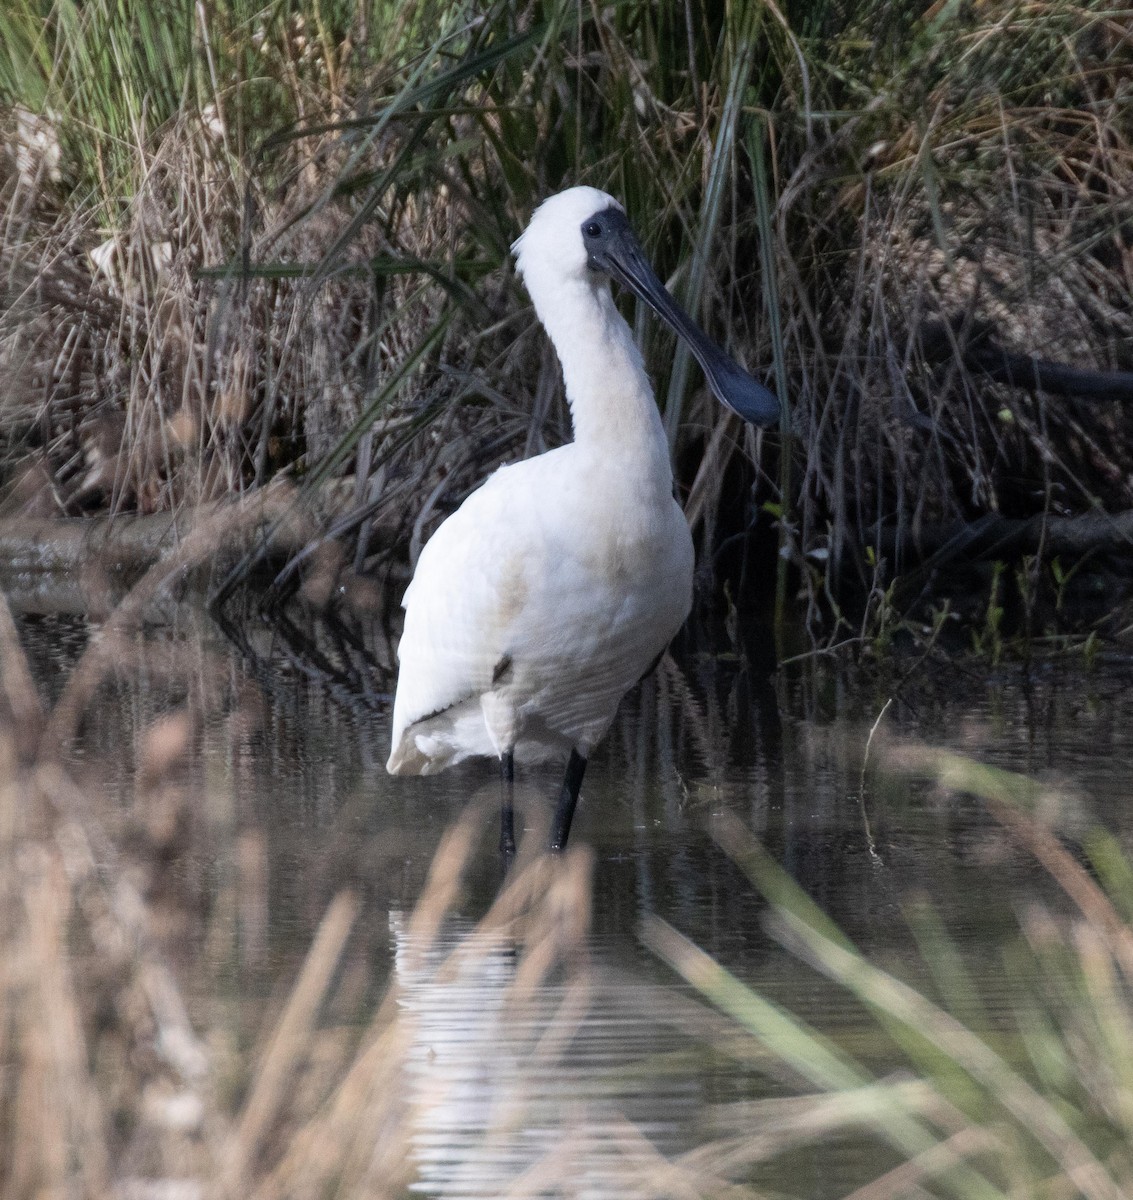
x: 612, y: 247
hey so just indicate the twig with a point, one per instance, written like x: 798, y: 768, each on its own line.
x: 861, y: 785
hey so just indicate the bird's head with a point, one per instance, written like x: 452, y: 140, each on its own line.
x: 584, y: 234
x: 554, y: 244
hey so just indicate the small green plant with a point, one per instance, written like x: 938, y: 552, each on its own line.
x: 884, y: 617
x: 1062, y: 575
x: 988, y: 639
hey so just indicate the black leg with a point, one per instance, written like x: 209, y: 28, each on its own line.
x: 507, y: 810
x: 568, y: 798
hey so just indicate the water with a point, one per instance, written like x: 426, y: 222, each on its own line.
x: 594, y: 1075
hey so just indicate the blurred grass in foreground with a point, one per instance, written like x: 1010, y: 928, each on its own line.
x: 107, y: 1086
x: 111, y: 1086
x: 1039, y: 1102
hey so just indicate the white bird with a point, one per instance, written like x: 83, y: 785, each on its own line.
x: 559, y: 582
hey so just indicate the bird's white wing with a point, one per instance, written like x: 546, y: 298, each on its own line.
x: 469, y: 583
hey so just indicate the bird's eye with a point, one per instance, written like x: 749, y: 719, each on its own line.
x: 592, y: 229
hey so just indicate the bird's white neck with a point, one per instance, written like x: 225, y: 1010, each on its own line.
x: 610, y: 396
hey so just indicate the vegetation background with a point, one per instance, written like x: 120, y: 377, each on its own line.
x: 242, y: 241
x: 245, y: 245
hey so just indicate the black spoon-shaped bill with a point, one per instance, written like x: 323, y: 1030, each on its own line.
x: 613, y: 247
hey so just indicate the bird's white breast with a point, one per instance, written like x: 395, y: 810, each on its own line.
x: 546, y: 626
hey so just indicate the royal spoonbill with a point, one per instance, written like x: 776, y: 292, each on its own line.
x: 559, y: 582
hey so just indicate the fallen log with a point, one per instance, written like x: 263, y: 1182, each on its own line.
x: 982, y: 353
x: 88, y: 563
x: 127, y: 544
x: 996, y: 537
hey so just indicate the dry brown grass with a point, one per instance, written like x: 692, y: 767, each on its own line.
x: 148, y: 387
x: 995, y: 199
x: 930, y: 177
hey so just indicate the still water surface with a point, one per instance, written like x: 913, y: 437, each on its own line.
x: 285, y: 801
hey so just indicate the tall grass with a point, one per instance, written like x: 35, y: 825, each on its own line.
x: 300, y: 227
